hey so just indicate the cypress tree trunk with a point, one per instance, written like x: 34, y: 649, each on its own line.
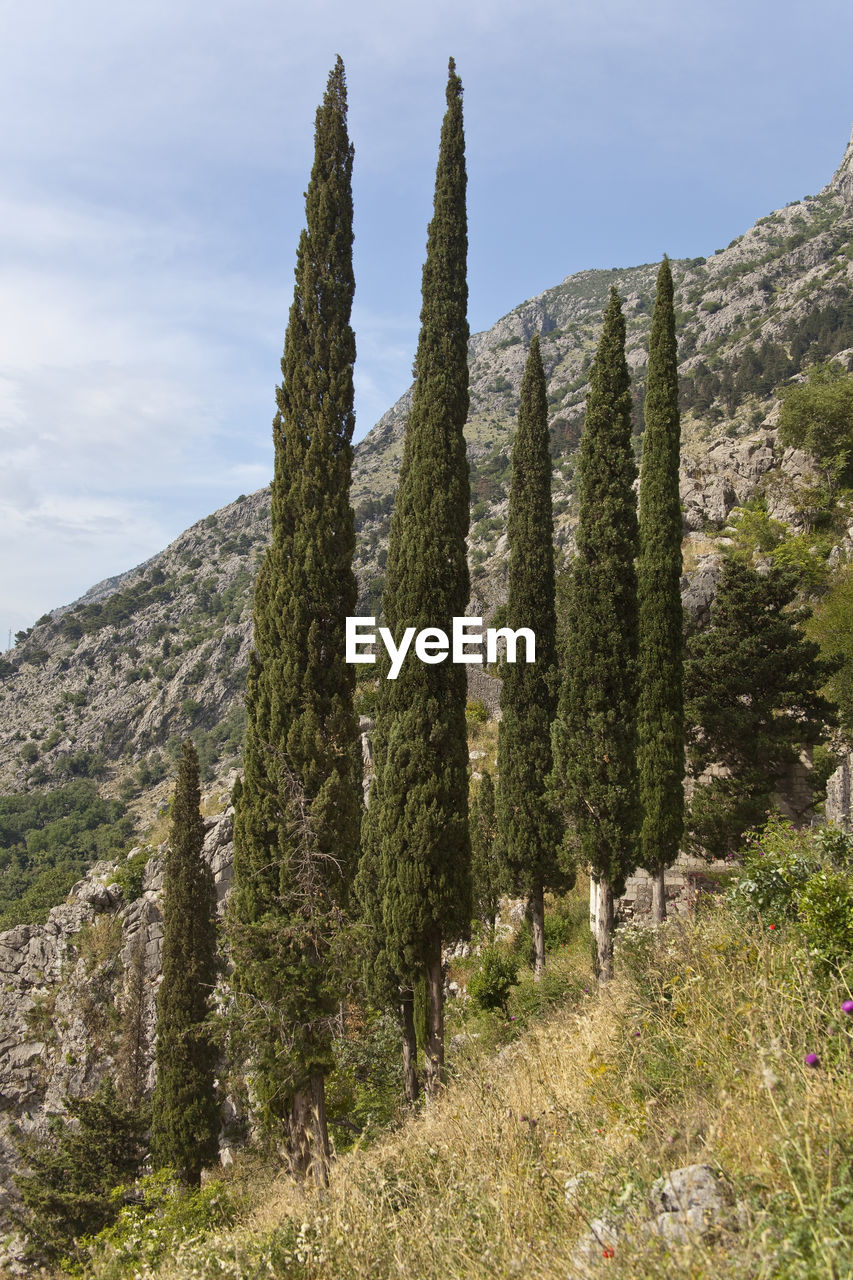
x: 410, y: 1047
x: 604, y: 926
x: 658, y: 912
x: 434, y: 1052
x: 595, y: 732
x: 185, y: 1114
x: 537, y: 917
x: 661, y: 699
x: 417, y: 870
x: 297, y: 823
x: 529, y: 826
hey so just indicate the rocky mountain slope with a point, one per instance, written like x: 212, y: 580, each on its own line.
x: 107, y: 687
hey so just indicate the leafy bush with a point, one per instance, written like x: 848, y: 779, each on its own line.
x: 825, y: 910
x: 476, y: 713
x: 162, y: 1215
x: 366, y: 695
x: 805, y: 877
x: 491, y: 983
x: 818, y: 416
x: 363, y: 1092
x: 778, y: 862
x: 130, y: 874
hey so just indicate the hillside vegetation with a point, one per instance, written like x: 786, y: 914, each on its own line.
x: 698, y: 1053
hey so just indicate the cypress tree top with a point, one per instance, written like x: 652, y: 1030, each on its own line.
x: 595, y: 734
x: 661, y: 707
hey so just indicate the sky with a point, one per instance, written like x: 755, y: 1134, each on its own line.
x: 153, y: 163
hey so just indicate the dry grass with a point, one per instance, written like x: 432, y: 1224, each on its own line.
x: 694, y: 1054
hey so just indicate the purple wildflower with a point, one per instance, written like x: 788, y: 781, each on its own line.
x: 812, y: 1060
x: 847, y: 1006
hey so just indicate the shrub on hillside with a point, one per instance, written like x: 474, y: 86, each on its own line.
x: 490, y: 985
x: 804, y: 877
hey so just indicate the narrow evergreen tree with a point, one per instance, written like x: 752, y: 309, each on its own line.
x: 595, y: 732
x: 751, y: 692
x: 418, y: 857
x: 298, y: 814
x: 529, y: 827
x: 661, y: 706
x: 185, y: 1115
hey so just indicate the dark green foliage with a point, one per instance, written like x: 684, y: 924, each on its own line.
x: 822, y: 331
x: 493, y: 979
x: 751, y: 701
x: 595, y: 735
x: 485, y: 865
x: 163, y: 1215
x: 185, y: 1115
x: 415, y: 881
x: 298, y: 815
x: 119, y: 607
x: 802, y: 877
x: 364, y: 1092
x: 529, y: 826
x: 47, y: 840
x: 661, y: 701
x: 818, y: 416
x: 67, y: 1192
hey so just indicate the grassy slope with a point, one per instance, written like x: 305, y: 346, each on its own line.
x: 694, y: 1054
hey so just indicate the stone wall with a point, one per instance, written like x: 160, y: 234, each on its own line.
x: 839, y: 794
x: 684, y: 880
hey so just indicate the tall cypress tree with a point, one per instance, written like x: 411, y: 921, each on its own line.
x: 528, y: 825
x: 418, y: 857
x: 661, y: 706
x: 185, y: 1114
x: 298, y: 814
x: 595, y: 733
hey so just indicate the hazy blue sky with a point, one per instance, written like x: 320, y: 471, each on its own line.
x: 153, y: 161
